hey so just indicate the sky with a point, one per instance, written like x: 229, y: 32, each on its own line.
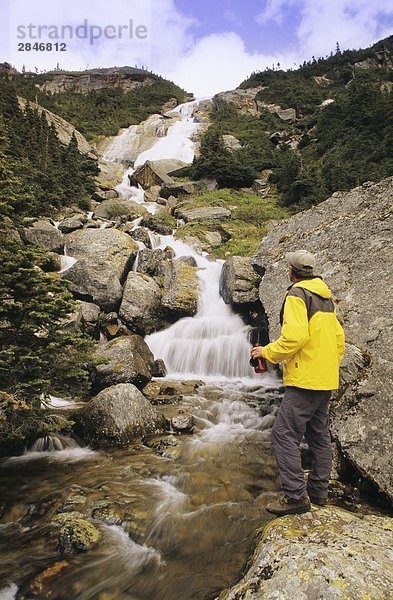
x: 205, y: 46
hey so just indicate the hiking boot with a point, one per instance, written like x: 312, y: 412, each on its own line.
x: 319, y: 500
x: 284, y: 505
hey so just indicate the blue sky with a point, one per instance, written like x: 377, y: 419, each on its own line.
x: 205, y: 46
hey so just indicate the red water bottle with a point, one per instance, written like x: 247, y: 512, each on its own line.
x: 259, y: 364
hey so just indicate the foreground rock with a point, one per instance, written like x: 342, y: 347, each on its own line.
x: 327, y: 553
x: 351, y: 236
x: 125, y: 359
x: 44, y: 235
x: 117, y: 416
x: 141, y: 302
x: 239, y: 282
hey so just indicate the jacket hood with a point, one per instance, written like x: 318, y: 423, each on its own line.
x: 316, y: 286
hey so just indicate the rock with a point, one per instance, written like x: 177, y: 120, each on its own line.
x: 117, y: 208
x: 179, y: 189
x: 141, y: 234
x: 159, y: 368
x: 104, y: 259
x: 326, y: 553
x: 180, y: 290
x: 77, y: 535
x: 231, y: 142
x: 102, y: 194
x: 90, y: 312
x: 127, y: 360
x: 50, y: 262
x: 151, y: 262
x: 44, y: 235
x: 116, y: 416
x: 94, y: 283
x: 350, y: 234
x: 44, y: 583
x: 243, y: 100
x: 148, y: 175
x: 203, y: 213
x: 239, y: 283
x: 182, y: 423
x: 141, y: 302
x: 157, y: 224
x: 72, y: 223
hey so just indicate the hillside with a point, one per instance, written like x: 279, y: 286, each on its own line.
x: 324, y: 127
x: 101, y: 101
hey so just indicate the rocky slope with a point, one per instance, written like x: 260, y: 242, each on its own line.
x: 351, y: 234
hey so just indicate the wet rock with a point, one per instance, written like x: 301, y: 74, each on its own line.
x: 327, y: 553
x: 159, y: 368
x: 126, y: 359
x: 157, y: 224
x: 117, y: 208
x: 44, y: 235
x: 104, y: 511
x: 183, y: 423
x: 151, y: 262
x: 141, y: 303
x: 141, y: 234
x: 72, y: 223
x: 336, y: 230
x: 116, y: 416
x: 77, y: 535
x: 239, y: 283
x: 44, y: 583
x: 180, y: 290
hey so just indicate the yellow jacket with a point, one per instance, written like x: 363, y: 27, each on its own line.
x: 312, y: 342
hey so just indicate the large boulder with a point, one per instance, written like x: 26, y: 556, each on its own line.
x: 180, y: 293
x: 141, y: 302
x: 104, y: 258
x: 150, y: 174
x: 239, y: 283
x: 44, y: 235
x: 116, y: 416
x: 351, y: 235
x: 326, y: 553
x: 116, y: 208
x: 125, y: 359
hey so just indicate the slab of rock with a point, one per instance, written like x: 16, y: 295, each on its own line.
x: 326, y: 553
x: 126, y: 359
x: 116, y: 416
x: 141, y: 302
x: 150, y: 174
x: 351, y: 235
x: 72, y: 223
x: 239, y: 283
x: 44, y: 235
x: 203, y: 213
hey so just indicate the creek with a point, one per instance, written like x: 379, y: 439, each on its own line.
x: 177, y: 519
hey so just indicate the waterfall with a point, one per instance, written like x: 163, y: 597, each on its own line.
x: 51, y: 443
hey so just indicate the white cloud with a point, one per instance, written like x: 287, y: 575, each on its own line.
x: 352, y: 23
x: 218, y: 62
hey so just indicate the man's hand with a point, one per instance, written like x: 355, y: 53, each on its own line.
x: 256, y: 351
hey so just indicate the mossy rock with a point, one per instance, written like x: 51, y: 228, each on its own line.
x: 77, y: 535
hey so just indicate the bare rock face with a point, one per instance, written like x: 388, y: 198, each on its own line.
x: 243, y: 100
x: 104, y: 258
x: 327, y: 553
x: 141, y: 302
x: 239, y: 282
x: 125, y: 359
x: 44, y: 235
x: 351, y: 235
x: 116, y: 416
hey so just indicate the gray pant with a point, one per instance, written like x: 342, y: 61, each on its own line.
x: 303, y: 413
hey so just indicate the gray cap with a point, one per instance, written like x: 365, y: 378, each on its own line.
x: 302, y: 260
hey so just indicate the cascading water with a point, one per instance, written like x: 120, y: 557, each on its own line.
x: 175, y: 524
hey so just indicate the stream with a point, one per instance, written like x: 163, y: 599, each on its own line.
x: 177, y: 518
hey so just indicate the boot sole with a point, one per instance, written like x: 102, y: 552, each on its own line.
x: 293, y: 511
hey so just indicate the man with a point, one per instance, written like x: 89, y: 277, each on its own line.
x: 311, y: 346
